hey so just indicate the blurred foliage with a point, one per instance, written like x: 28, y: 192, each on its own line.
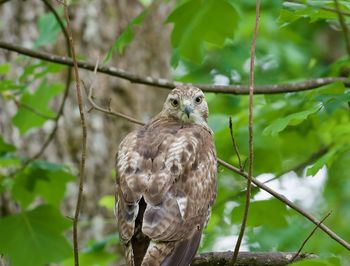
x: 297, y: 40
x: 125, y: 37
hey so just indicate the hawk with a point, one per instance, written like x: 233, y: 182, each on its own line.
x: 166, y: 182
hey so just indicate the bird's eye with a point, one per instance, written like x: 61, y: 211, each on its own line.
x: 198, y: 99
x: 174, y: 102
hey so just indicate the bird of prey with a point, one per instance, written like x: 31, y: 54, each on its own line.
x: 166, y: 182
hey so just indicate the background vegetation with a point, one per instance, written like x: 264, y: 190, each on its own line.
x: 301, y: 139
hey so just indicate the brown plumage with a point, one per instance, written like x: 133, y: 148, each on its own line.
x: 166, y: 182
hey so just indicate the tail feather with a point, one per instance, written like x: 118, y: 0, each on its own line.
x: 184, y: 251
x: 139, y: 241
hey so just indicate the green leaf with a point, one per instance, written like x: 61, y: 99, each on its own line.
x: 48, y: 30
x: 146, y: 2
x: 8, y: 84
x: 196, y: 23
x: 38, y: 70
x: 41, y: 179
x: 332, y: 102
x: 312, y: 170
x: 8, y: 160
x: 293, y: 119
x: 26, y: 119
x: 97, y: 258
x: 263, y: 212
x: 5, y: 147
x: 125, y: 37
x: 34, y: 238
x: 5, y: 68
x: 107, y: 202
x: 295, y: 11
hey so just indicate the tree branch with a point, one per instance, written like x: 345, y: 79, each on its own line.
x: 168, y: 84
x: 248, y: 258
x: 251, y: 135
x: 84, y: 134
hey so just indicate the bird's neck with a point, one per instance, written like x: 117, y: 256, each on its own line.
x: 171, y: 119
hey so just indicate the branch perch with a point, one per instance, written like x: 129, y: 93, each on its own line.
x: 249, y: 258
x: 168, y: 84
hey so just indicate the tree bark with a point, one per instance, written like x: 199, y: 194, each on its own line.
x: 248, y: 258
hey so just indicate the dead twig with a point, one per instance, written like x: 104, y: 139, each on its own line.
x: 251, y: 135
x: 235, y: 146
x: 109, y: 110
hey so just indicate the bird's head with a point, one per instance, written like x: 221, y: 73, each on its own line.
x: 188, y: 104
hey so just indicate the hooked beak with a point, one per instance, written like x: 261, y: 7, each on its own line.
x: 188, y: 110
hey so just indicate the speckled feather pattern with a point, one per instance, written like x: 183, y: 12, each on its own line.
x: 170, y: 167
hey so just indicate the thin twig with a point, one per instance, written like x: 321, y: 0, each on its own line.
x: 107, y: 111
x: 251, y: 135
x: 235, y: 146
x: 168, y: 84
x: 343, y: 27
x: 310, y: 235
x: 84, y: 134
